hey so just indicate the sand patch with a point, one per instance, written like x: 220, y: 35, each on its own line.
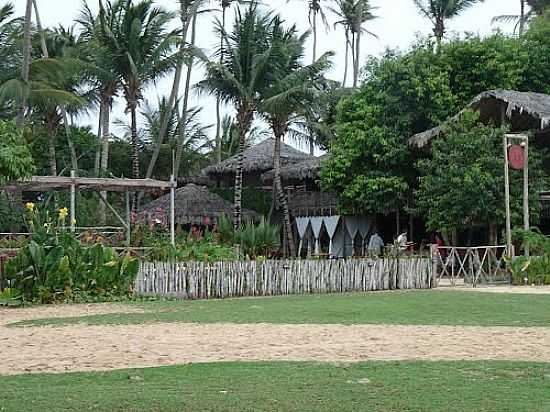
x: 93, y: 348
x: 63, y: 311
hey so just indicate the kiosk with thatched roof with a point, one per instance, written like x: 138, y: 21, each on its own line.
x: 195, y: 205
x: 257, y: 160
x: 523, y: 110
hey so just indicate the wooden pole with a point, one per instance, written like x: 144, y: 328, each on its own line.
x: 128, y: 220
x: 172, y: 210
x: 526, y: 224
x: 73, y: 203
x: 507, y: 199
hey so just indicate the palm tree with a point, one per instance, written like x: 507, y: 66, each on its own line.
x: 141, y: 47
x: 291, y: 88
x: 230, y: 137
x: 189, y: 9
x: 25, y: 67
x: 343, y: 11
x: 316, y: 11
x: 439, y: 11
x: 247, y: 60
x: 536, y: 8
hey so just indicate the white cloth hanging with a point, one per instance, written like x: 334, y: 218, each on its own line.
x: 302, y: 224
x: 316, y: 225
x: 352, y: 226
x: 365, y: 227
x: 331, y: 223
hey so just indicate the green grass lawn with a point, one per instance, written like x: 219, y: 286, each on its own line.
x: 406, y: 307
x: 283, y: 386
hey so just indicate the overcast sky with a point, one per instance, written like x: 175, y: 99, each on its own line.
x: 397, y: 26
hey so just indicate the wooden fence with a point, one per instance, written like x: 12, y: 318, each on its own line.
x: 194, y: 280
x: 469, y: 265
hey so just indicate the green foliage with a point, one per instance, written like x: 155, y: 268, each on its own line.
x: 54, y: 264
x: 376, y: 154
x: 462, y: 183
x: 16, y: 161
x: 258, y: 240
x: 254, y: 199
x: 534, y: 269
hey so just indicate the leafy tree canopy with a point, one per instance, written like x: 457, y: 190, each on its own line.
x: 15, y: 158
x: 462, y: 183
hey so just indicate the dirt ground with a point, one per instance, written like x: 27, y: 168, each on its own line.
x: 531, y: 290
x: 87, y: 348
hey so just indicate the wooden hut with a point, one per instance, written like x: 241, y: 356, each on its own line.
x: 320, y: 226
x: 257, y: 160
x: 522, y: 111
x: 194, y: 205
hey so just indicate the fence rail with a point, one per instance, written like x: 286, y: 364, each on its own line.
x: 473, y: 265
x: 195, y: 280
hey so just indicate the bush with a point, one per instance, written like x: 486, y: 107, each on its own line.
x: 534, y: 269
x: 55, y: 266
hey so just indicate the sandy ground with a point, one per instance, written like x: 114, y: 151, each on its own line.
x: 63, y: 311
x: 87, y: 348
x: 534, y: 290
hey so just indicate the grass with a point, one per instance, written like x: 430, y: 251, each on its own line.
x: 406, y: 307
x: 283, y: 386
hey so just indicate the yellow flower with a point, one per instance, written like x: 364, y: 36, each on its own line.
x: 30, y: 207
x: 73, y: 222
x: 63, y: 213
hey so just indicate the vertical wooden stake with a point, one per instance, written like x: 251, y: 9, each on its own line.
x: 128, y: 221
x: 73, y: 203
x: 526, y: 224
x: 172, y: 210
x: 507, y: 199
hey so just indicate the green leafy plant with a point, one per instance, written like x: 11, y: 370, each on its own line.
x: 258, y: 240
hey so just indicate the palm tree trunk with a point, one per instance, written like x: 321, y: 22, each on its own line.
x: 346, y: 61
x: 218, y: 101
x: 522, y: 18
x: 439, y: 32
x: 173, y: 94
x: 281, y: 194
x: 45, y: 54
x: 51, y: 151
x: 105, y: 113
x: 26, y: 61
x: 314, y: 30
x: 244, y: 122
x: 183, y: 121
x: 357, y: 60
x: 97, y: 159
x: 135, y: 150
x: 72, y: 150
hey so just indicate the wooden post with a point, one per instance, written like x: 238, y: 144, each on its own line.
x: 173, y: 210
x: 128, y: 221
x: 507, y: 199
x: 73, y: 203
x: 526, y: 224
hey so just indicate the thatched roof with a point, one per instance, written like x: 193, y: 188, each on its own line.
x: 306, y: 169
x: 525, y: 111
x: 195, y: 205
x: 258, y: 158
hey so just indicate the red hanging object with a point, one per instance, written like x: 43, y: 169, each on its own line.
x: 516, y: 157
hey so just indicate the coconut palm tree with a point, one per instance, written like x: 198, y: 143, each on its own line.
x: 189, y: 9
x: 25, y: 67
x: 439, y: 11
x: 520, y: 20
x: 247, y: 60
x: 344, y: 12
x: 292, y: 87
x: 141, y: 47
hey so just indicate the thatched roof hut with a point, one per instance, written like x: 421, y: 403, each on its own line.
x: 258, y: 159
x: 302, y: 171
x: 524, y: 110
x: 195, y: 205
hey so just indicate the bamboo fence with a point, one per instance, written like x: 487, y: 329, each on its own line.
x: 197, y: 280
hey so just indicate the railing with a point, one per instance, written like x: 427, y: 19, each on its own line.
x: 470, y: 265
x: 195, y: 280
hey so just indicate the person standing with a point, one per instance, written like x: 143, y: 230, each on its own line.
x: 376, y: 244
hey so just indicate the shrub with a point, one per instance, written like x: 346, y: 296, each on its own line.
x: 534, y: 269
x: 54, y: 265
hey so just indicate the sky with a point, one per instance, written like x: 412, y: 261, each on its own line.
x: 397, y: 26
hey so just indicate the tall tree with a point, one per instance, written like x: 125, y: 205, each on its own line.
x: 292, y: 87
x: 344, y: 13
x: 439, y: 11
x: 247, y: 60
x: 141, y: 46
x: 25, y: 67
x: 315, y: 11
